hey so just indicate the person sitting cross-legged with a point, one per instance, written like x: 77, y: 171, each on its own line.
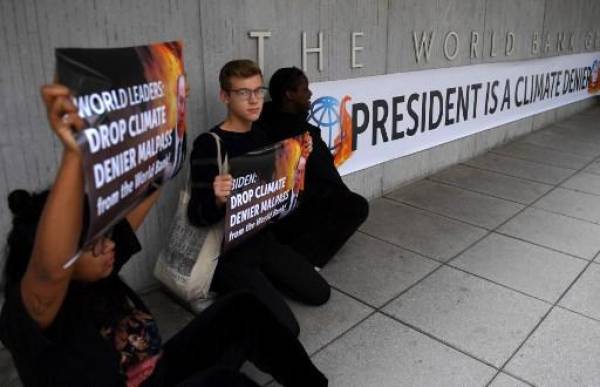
x: 329, y: 213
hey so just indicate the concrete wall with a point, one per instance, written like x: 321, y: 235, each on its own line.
x: 216, y: 31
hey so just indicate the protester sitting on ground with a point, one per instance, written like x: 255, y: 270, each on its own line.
x: 261, y: 264
x: 329, y: 213
x: 83, y: 326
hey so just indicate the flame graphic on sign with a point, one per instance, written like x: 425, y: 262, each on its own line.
x: 164, y: 62
x: 287, y: 160
x: 343, y: 141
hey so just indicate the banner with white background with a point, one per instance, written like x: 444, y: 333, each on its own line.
x: 370, y: 120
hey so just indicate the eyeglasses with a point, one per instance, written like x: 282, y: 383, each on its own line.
x: 245, y: 94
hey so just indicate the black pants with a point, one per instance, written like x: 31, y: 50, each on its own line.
x: 209, y: 351
x: 320, y: 226
x: 264, y: 266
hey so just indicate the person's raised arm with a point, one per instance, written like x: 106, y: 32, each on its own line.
x: 45, y: 282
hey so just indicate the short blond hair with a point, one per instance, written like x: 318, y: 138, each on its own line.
x: 240, y: 68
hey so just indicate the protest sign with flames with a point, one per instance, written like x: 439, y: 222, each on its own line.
x: 132, y: 101
x: 267, y: 184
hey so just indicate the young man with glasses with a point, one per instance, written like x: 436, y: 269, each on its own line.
x: 261, y: 265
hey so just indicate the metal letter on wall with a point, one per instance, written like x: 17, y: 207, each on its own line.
x: 493, y: 52
x: 260, y: 35
x: 510, y: 43
x: 313, y: 50
x: 355, y: 49
x: 589, y: 39
x: 560, y: 41
x: 474, y: 44
x: 424, y: 45
x: 535, y: 43
x: 455, y: 53
x: 572, y: 41
x: 547, y: 43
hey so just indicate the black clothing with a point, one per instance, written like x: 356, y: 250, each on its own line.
x: 319, y: 228
x: 261, y: 263
x: 72, y: 352
x: 207, y: 352
x: 210, y: 349
x: 329, y: 213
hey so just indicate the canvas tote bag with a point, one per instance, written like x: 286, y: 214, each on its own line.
x: 187, y: 264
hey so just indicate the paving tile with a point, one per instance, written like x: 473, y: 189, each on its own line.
x: 320, y: 325
x: 384, y: 353
x: 492, y: 183
x: 563, y: 351
x: 8, y: 373
x: 504, y: 380
x: 170, y: 316
x: 583, y: 296
x: 420, y: 231
x: 521, y: 168
x: 562, y: 143
x: 593, y: 168
x: 375, y: 271
x: 572, y: 203
x: 531, y: 152
x: 585, y: 182
x: 568, y: 235
x: 534, y: 270
x: 472, y: 207
x: 485, y: 320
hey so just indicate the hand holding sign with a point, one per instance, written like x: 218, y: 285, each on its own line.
x: 62, y: 115
x: 222, y: 187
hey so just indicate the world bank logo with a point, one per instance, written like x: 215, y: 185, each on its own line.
x: 325, y: 113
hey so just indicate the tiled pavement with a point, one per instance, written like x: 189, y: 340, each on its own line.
x: 484, y: 274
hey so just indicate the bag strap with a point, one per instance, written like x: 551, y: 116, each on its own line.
x: 223, y: 163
